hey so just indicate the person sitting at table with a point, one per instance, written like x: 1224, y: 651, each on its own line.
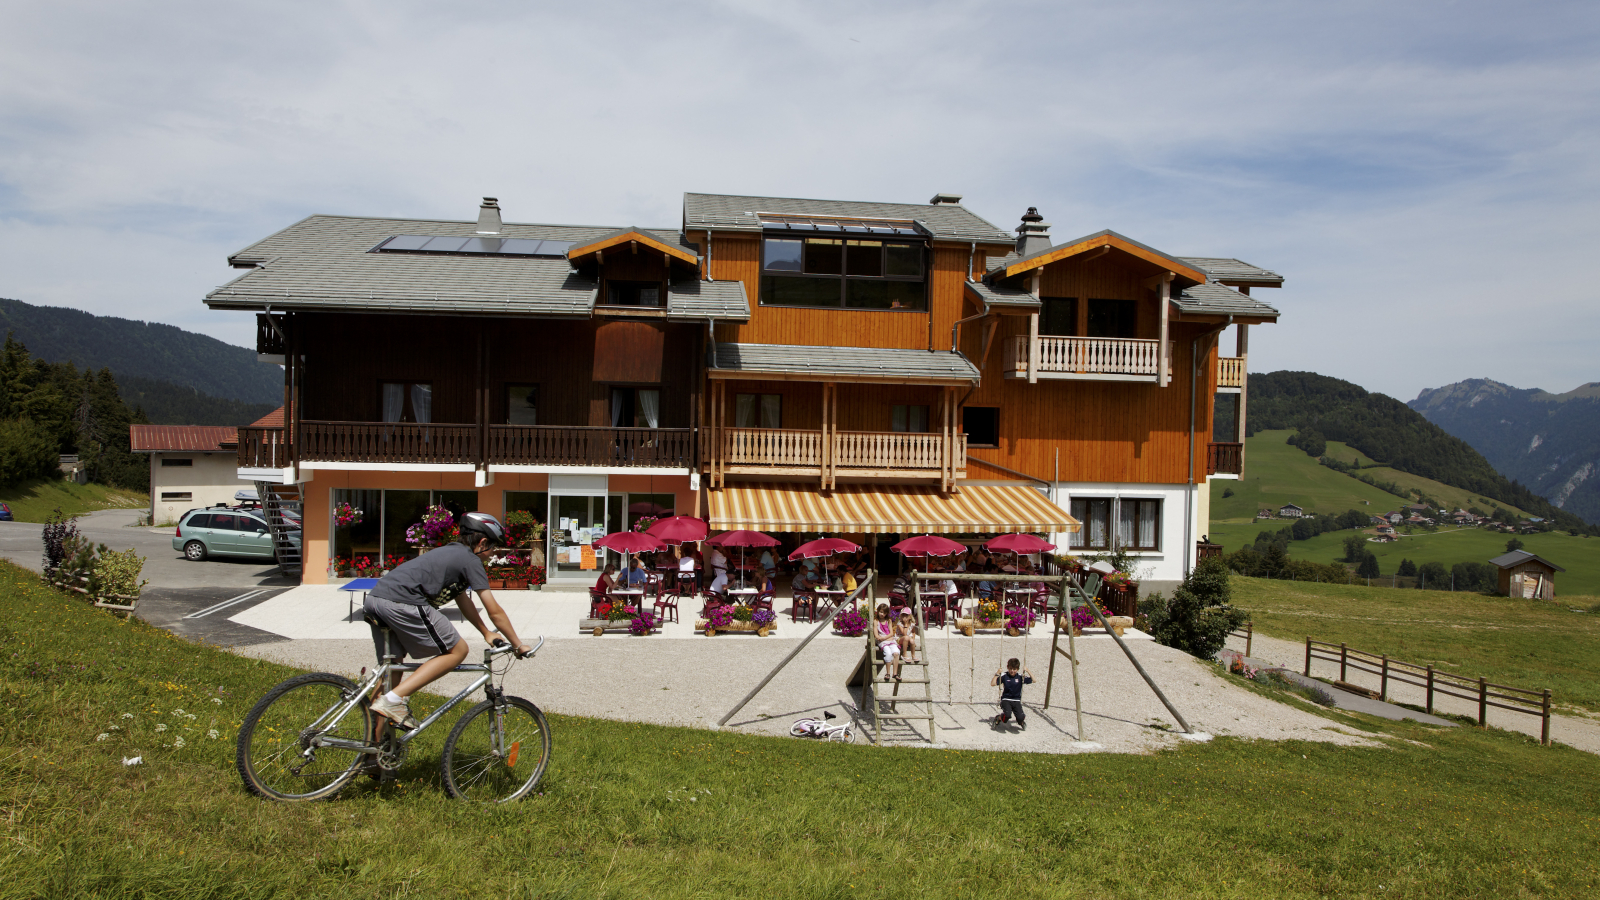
x: 608, y: 579
x: 686, y: 565
x: 638, y: 576
x: 717, y: 561
x: 804, y: 582
x: 846, y: 579
x: 986, y: 589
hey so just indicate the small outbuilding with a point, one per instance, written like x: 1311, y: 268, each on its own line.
x: 1523, y: 574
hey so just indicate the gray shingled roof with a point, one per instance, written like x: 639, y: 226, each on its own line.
x: 995, y: 295
x: 727, y: 212
x: 822, y: 362
x: 1105, y: 232
x: 1518, y: 557
x: 1220, y: 300
x: 1225, y: 269
x: 708, y: 299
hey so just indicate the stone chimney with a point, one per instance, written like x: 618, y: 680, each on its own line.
x: 1033, y: 234
x: 489, y: 216
x: 945, y: 200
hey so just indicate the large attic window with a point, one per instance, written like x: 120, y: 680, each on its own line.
x: 850, y: 263
x: 464, y: 245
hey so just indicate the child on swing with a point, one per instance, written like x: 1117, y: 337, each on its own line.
x: 883, y: 632
x: 1010, y: 685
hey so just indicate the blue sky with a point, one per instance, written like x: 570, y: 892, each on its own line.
x: 1425, y: 175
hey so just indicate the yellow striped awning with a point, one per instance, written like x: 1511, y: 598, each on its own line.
x: 850, y: 509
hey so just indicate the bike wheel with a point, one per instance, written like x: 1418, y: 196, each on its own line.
x: 276, y: 754
x: 802, y: 728
x: 480, y: 765
x: 843, y: 735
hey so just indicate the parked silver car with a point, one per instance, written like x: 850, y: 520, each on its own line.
x: 225, y: 531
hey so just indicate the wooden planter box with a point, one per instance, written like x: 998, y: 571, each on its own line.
x: 598, y: 627
x: 1118, y: 625
x: 969, y: 627
x: 700, y: 627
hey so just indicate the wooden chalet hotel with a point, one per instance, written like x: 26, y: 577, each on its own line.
x: 777, y: 364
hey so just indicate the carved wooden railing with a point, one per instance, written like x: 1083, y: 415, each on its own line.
x: 558, y: 445
x: 268, y: 340
x: 1230, y: 371
x: 1088, y: 356
x: 1224, y: 459
x: 775, y: 447
x: 263, y: 448
x: 892, y: 451
x: 388, y: 442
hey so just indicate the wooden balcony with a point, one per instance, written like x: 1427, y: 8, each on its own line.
x: 1230, y: 372
x: 559, y: 445
x: 262, y: 448
x: 1088, y: 359
x: 400, y: 444
x: 877, y: 454
x: 1224, y: 459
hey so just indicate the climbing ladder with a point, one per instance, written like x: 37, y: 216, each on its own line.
x: 886, y: 706
x: 276, y: 499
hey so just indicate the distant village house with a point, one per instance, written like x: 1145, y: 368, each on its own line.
x: 1291, y: 511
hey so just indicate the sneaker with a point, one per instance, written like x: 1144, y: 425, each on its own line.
x: 398, y: 713
x: 1022, y: 725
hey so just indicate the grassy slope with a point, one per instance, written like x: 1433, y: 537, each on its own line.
x: 773, y: 816
x: 1580, y: 556
x: 1522, y: 643
x: 35, y: 499
x: 1276, y: 473
x: 1453, y: 497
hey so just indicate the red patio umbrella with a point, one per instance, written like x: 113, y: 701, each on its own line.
x: 928, y: 545
x: 823, y: 547
x: 1018, y: 543
x: 679, y: 530
x: 626, y: 542
x: 743, y: 539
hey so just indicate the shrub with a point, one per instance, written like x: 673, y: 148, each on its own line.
x: 1198, y: 618
x: 59, y: 531
x: 1368, y: 567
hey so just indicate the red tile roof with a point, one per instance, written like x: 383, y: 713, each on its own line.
x: 272, y: 419
x: 195, y: 438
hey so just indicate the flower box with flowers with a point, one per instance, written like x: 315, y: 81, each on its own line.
x: 1082, y: 618
x: 987, y: 617
x: 620, y: 619
x: 850, y: 622
x: 738, y: 618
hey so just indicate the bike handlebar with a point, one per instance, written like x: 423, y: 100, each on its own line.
x: 502, y: 646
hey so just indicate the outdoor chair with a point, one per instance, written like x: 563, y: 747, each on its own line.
x: 803, y: 600
x: 665, y: 602
x: 596, y: 597
x: 763, y: 599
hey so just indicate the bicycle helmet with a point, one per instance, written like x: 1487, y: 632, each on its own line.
x: 484, y: 524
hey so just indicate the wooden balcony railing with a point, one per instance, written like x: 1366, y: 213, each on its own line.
x: 544, y: 445
x: 1100, y: 358
x: 263, y: 448
x: 388, y: 442
x: 881, y: 453
x: 1230, y: 371
x: 268, y: 340
x: 560, y: 445
x: 1224, y: 459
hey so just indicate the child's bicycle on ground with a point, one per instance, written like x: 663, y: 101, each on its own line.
x: 820, y: 728
x: 311, y: 735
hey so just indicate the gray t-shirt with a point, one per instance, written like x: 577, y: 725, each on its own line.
x: 434, y: 578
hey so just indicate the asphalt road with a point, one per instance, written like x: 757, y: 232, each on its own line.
x: 178, y: 589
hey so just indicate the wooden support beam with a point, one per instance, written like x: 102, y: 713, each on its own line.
x: 991, y: 327
x: 1033, y: 329
x: 1242, y: 349
x: 1163, y: 352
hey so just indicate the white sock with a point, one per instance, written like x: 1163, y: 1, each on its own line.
x: 392, y: 697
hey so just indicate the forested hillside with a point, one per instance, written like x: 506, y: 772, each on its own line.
x: 172, y: 404
x: 47, y: 409
x: 1551, y: 442
x: 1383, y: 428
x: 148, y: 350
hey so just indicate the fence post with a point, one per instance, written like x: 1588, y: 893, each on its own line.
x: 1483, y: 701
x: 1430, y: 689
x: 1383, y: 681
x: 1308, y: 656
x: 1249, y: 635
x: 1344, y: 660
x: 1544, y: 733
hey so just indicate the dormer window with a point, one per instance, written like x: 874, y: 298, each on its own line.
x: 633, y: 293
x: 843, y: 270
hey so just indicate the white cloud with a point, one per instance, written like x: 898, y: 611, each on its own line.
x: 1423, y: 174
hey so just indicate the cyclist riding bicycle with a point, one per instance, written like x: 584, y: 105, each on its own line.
x: 408, y: 600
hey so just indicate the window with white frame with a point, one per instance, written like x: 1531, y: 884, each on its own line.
x: 1139, y: 524
x: 1095, y: 514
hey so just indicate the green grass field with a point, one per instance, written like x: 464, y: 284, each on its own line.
x: 631, y: 810
x: 1276, y: 473
x: 35, y: 499
x: 1523, y: 643
x: 1449, y: 495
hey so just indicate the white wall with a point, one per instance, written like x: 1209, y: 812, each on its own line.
x: 210, y: 481
x: 1165, y: 564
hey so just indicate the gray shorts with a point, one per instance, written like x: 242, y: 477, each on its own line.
x: 422, y: 630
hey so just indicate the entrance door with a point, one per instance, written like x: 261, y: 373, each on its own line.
x: 578, y: 521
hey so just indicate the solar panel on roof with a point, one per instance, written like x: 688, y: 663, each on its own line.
x: 519, y: 247
x: 446, y: 244
x: 473, y: 246
x: 555, y: 248
x: 481, y: 245
x: 405, y: 242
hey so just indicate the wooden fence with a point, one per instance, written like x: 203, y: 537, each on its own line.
x: 1249, y: 633
x: 1447, y: 684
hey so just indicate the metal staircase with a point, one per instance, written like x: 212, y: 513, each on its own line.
x: 276, y: 499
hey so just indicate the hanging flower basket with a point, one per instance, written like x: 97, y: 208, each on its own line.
x: 345, y: 515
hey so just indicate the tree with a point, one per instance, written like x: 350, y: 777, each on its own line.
x: 1433, y: 576
x: 1407, y: 568
x: 1355, y: 547
x: 1513, y: 544
x: 1198, y: 617
x: 1368, y: 567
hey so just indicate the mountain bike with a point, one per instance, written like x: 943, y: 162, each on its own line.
x: 311, y: 735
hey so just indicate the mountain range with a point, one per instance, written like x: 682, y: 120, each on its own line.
x: 176, y: 376
x: 1549, y: 442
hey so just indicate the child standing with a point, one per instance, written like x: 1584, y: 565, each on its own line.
x: 1010, y: 685
x: 883, y: 632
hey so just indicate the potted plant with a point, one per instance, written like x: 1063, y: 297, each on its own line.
x: 536, y: 578
x: 366, y: 567
x: 436, y: 529
x: 850, y: 622
x: 517, y: 577
x: 644, y: 623
x: 1018, y: 619
x: 345, y: 515
x: 341, y: 567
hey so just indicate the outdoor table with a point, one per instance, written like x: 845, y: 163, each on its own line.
x: 743, y: 595
x: 361, y: 586
x: 833, y: 597
x: 626, y: 593
x: 1024, y: 595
